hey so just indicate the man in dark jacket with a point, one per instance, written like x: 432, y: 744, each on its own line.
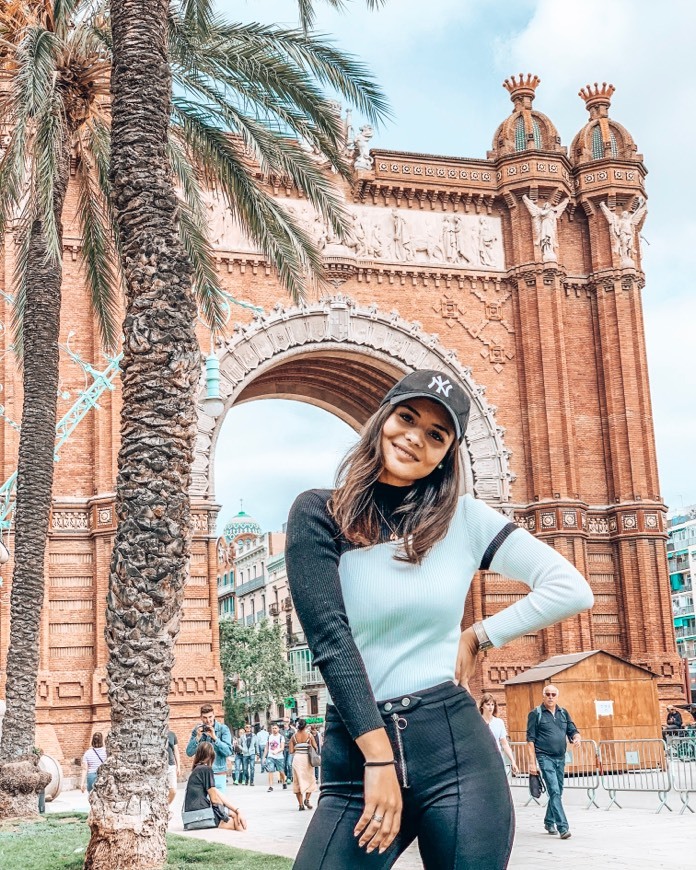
x: 548, y: 728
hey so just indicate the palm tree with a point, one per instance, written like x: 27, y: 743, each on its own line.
x: 55, y: 63
x: 42, y: 110
x: 263, y: 85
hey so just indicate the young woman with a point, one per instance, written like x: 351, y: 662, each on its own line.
x: 488, y: 708
x: 379, y: 569
x: 92, y: 760
x: 201, y: 792
x: 303, y: 780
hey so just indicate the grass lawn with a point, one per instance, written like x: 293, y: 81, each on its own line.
x: 58, y: 842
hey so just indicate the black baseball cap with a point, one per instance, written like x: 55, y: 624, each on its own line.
x: 431, y: 384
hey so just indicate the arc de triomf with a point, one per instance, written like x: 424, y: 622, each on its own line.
x: 521, y: 275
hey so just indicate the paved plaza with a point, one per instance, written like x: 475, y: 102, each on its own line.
x: 632, y: 838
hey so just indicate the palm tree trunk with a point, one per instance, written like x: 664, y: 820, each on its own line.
x: 161, y: 372
x: 20, y: 782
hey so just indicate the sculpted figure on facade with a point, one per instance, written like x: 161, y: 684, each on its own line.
x: 362, y: 146
x: 623, y: 231
x: 400, y: 238
x: 544, y: 224
x: 486, y: 242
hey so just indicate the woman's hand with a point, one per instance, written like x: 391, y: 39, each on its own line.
x: 466, y: 658
x: 515, y: 769
x: 239, y: 820
x: 383, y: 800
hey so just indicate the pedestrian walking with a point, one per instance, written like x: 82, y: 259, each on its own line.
x: 261, y: 741
x: 303, y: 781
x: 287, y: 731
x: 238, y: 748
x: 218, y: 735
x: 202, y: 792
x: 318, y: 739
x: 379, y: 569
x: 248, y: 742
x: 173, y: 765
x: 549, y: 727
x: 274, y: 761
x: 488, y: 708
x: 92, y: 760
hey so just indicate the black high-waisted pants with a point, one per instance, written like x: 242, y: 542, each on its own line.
x: 456, y: 797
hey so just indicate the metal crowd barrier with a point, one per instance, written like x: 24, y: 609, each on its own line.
x: 519, y: 750
x: 682, y: 763
x: 582, y: 770
x: 635, y: 765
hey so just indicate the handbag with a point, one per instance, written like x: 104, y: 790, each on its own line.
x: 536, y: 785
x: 314, y: 757
x: 198, y: 820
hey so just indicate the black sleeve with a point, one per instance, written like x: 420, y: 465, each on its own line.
x: 312, y: 555
x: 208, y: 778
x: 532, y: 726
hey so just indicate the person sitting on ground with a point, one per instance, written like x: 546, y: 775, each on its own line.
x: 201, y: 792
x: 92, y: 760
x: 674, y: 718
x: 303, y: 780
x: 488, y: 708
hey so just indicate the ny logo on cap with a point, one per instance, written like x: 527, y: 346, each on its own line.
x: 442, y: 386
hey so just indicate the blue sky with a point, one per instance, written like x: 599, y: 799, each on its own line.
x: 441, y: 63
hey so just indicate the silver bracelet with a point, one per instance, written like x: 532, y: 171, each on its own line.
x: 484, y: 641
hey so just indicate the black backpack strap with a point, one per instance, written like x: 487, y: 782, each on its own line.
x: 495, y: 545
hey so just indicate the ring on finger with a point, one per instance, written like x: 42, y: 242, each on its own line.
x: 377, y: 818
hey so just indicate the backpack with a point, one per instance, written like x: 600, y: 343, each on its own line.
x: 540, y: 708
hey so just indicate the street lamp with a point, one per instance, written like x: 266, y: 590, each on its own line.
x: 212, y: 404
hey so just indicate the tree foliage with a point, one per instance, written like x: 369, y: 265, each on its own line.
x: 254, y: 660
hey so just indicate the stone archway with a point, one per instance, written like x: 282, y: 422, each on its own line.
x: 343, y: 357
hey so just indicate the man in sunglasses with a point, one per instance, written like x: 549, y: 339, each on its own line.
x: 548, y: 728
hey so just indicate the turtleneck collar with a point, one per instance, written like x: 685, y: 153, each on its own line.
x: 390, y: 496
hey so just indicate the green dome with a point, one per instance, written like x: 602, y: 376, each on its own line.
x: 240, y: 524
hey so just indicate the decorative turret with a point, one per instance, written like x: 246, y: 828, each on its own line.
x: 525, y: 129
x: 601, y: 137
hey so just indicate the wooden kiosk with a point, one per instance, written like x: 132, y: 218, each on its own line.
x: 607, y: 697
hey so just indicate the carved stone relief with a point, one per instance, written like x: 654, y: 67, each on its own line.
x: 395, y: 235
x: 339, y: 323
x: 492, y: 329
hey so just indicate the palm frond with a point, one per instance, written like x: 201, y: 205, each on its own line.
x: 198, y: 13
x: 99, y: 258
x: 51, y: 144
x: 193, y: 230
x: 308, y: 15
x: 261, y: 54
x: 283, y: 241
x: 20, y: 278
x: 275, y: 154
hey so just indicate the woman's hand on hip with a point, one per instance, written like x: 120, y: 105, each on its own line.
x: 380, y: 821
x: 466, y: 658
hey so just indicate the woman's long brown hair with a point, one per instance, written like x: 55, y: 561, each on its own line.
x: 426, y: 512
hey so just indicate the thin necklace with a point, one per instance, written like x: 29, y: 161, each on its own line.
x: 393, y: 536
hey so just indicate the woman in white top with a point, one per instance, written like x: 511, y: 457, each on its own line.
x: 92, y: 760
x: 488, y: 708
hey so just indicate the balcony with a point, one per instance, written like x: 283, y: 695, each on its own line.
x: 273, y: 610
x: 686, y: 631
x: 687, y: 587
x: 301, y: 663
x: 687, y: 649
x: 684, y: 610
x: 251, y: 585
x: 286, y: 604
